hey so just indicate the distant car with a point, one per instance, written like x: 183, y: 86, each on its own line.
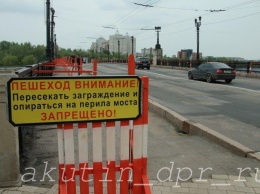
x: 211, y: 71
x: 142, y: 62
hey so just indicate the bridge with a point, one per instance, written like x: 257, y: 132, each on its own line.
x: 212, y: 107
x: 157, y: 75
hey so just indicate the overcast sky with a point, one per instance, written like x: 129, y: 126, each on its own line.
x: 234, y: 32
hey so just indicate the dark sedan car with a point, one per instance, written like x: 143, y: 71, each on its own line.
x: 211, y: 71
x: 142, y: 62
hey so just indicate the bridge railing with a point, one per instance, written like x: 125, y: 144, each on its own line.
x: 27, y: 71
x: 242, y: 66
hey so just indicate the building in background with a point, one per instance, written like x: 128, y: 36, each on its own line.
x: 146, y: 52
x: 194, y: 56
x: 185, y: 54
x: 188, y: 54
x: 97, y: 46
x: 105, y: 45
x: 123, y: 44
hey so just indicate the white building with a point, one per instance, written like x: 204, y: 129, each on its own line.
x: 122, y: 44
x: 98, y: 45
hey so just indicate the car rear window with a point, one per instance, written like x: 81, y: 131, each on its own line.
x: 220, y: 65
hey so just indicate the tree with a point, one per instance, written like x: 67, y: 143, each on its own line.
x: 29, y: 60
x: 10, y: 60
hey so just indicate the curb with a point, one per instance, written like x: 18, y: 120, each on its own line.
x: 192, y: 128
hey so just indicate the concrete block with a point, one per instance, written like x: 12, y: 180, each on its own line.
x: 182, y: 123
x: 156, y: 108
x: 220, y: 139
x: 9, y: 147
x: 254, y: 155
x: 175, y: 118
x: 4, y: 78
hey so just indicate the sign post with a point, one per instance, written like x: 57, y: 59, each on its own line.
x: 33, y: 101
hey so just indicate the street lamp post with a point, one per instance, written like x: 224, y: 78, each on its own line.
x: 48, y: 31
x: 132, y: 44
x: 197, y: 25
x: 118, y: 49
x: 55, y: 46
x: 157, y: 46
x: 52, y: 32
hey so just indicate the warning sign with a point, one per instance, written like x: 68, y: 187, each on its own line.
x: 65, y: 100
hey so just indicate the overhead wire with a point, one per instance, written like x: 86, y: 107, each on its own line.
x: 225, y: 8
x: 237, y: 5
x: 102, y: 31
x: 137, y: 10
x: 131, y: 14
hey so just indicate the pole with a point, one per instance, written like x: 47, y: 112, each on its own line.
x: 197, y: 25
x: 118, y: 49
x: 52, y: 34
x: 132, y: 44
x: 55, y: 46
x: 198, y: 50
x: 108, y: 53
x: 96, y: 50
x: 48, y: 46
x: 158, y: 37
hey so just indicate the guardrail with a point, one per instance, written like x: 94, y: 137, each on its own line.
x: 27, y: 71
x: 247, y: 67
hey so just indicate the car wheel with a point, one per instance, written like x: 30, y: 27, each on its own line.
x: 209, y: 78
x: 190, y: 75
x: 148, y: 68
x: 228, y: 81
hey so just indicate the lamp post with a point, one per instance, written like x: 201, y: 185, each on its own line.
x: 197, y: 25
x: 48, y: 31
x: 52, y: 32
x: 132, y: 44
x: 118, y: 49
x: 55, y: 46
x: 157, y: 46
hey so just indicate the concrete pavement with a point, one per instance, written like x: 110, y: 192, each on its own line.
x: 174, y: 160
x: 218, y: 184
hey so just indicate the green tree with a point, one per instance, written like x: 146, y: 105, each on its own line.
x: 39, y: 52
x: 29, y: 60
x: 10, y: 60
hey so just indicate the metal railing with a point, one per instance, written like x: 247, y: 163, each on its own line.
x: 242, y: 66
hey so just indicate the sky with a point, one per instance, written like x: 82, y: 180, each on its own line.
x: 229, y: 28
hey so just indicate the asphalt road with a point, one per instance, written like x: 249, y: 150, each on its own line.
x: 230, y: 109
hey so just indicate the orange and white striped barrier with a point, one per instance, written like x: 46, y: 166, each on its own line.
x: 103, y: 167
